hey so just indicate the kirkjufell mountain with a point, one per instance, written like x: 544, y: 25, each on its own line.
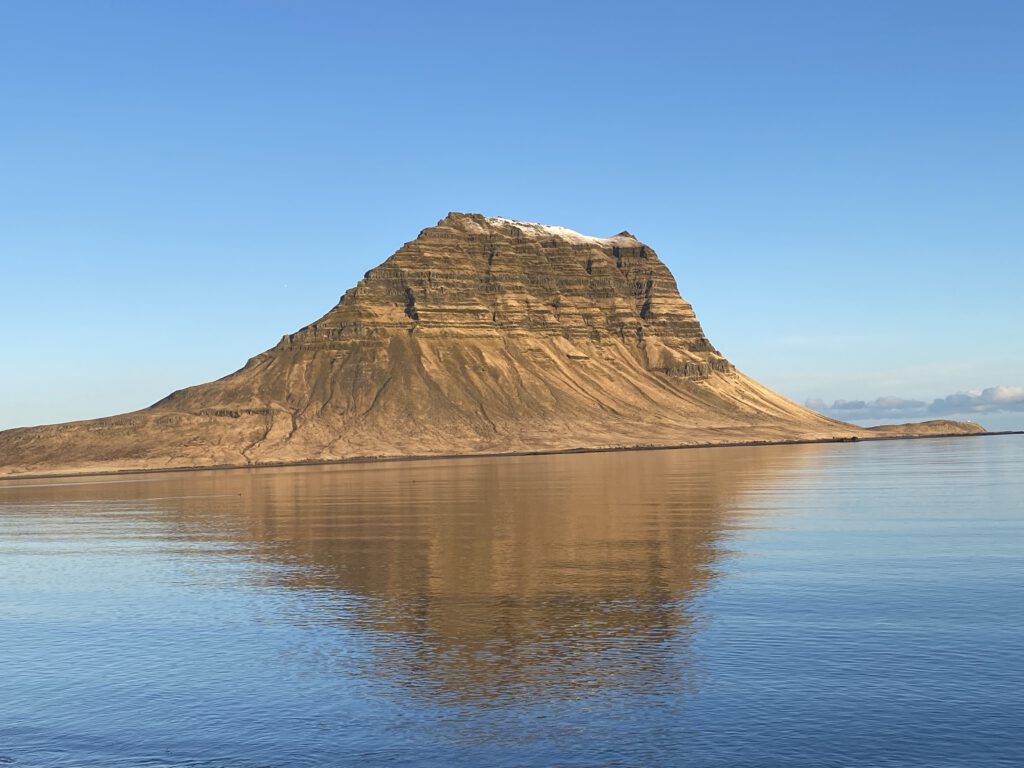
x: 483, y: 335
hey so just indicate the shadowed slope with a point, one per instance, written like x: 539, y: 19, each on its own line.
x: 482, y: 335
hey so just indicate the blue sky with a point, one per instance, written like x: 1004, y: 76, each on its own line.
x: 838, y: 187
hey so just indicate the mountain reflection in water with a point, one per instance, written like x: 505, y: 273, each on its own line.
x: 481, y: 579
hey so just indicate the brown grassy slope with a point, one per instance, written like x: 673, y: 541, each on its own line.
x: 928, y: 428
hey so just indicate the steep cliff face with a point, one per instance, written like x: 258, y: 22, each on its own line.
x: 482, y: 335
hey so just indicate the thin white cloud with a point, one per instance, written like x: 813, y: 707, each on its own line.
x: 989, y: 400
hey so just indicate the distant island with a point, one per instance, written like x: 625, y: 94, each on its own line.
x: 483, y: 335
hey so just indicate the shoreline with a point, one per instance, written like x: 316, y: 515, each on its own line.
x: 509, y: 454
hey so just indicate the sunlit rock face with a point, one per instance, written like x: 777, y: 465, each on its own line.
x: 480, y: 278
x: 482, y: 335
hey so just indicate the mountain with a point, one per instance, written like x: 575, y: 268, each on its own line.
x: 482, y: 335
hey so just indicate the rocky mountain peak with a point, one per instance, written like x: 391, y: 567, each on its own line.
x: 473, y: 276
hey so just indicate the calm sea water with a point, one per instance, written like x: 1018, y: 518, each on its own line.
x: 832, y: 605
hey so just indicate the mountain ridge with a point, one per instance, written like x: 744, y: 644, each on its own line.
x: 482, y: 335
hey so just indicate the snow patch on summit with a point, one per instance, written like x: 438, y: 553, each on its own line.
x: 562, y: 232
